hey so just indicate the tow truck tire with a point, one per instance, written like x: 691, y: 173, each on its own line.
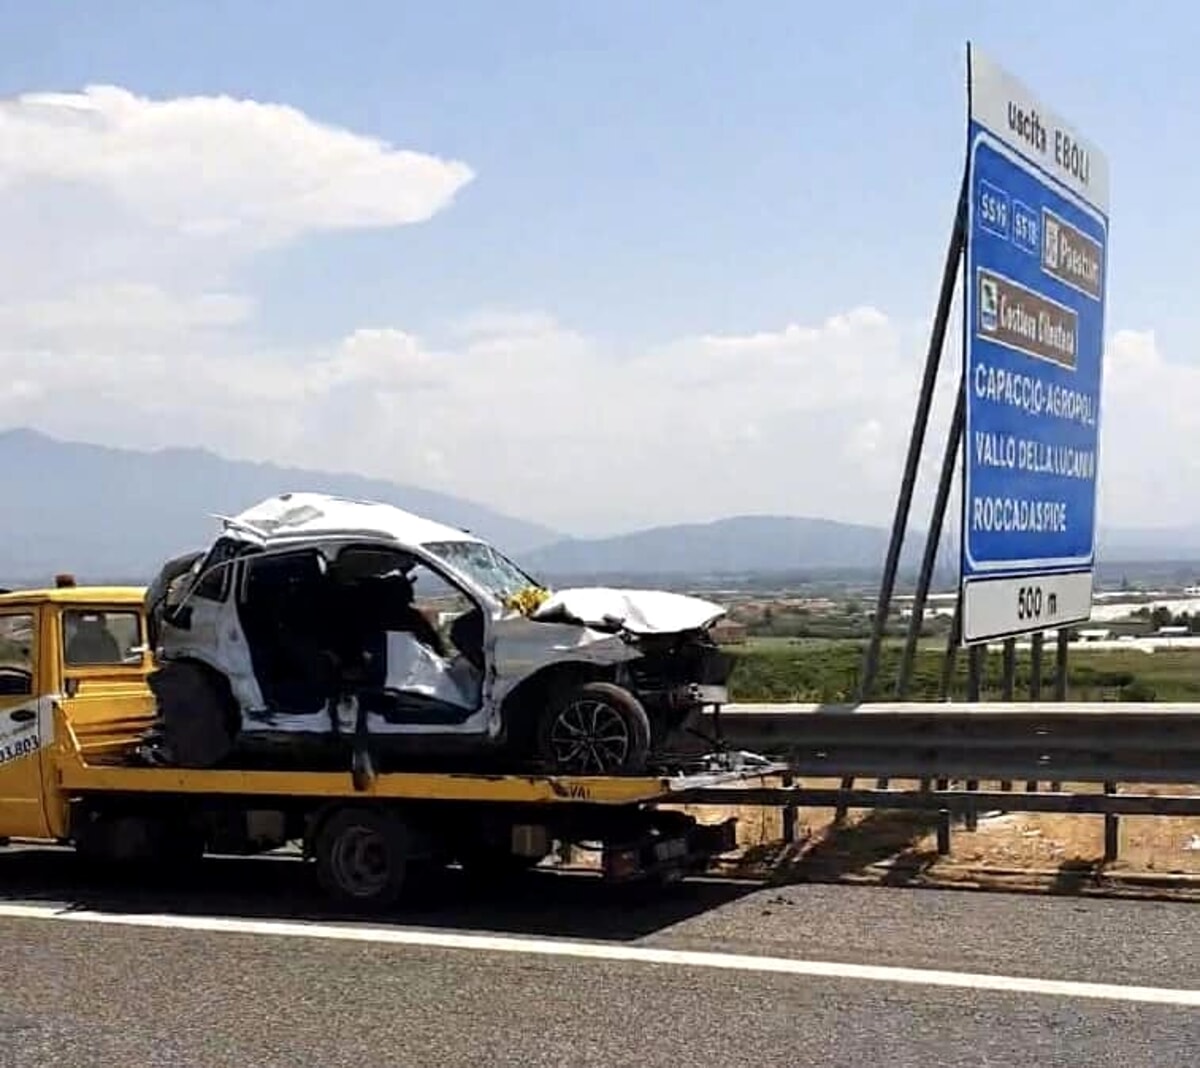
x: 362, y: 858
x: 603, y: 711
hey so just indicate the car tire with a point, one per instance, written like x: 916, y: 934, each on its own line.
x: 597, y: 728
x: 196, y: 712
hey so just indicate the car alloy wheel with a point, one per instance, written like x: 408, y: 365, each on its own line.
x: 591, y: 736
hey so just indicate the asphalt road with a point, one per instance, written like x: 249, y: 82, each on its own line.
x: 84, y: 992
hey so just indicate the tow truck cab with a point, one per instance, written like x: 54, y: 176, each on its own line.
x: 84, y: 650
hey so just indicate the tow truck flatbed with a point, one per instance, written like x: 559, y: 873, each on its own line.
x: 494, y: 824
x: 77, y: 776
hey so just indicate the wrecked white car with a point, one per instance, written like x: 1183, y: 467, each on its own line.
x: 315, y: 623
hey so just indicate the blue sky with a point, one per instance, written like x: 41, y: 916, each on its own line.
x: 649, y: 172
x: 653, y: 168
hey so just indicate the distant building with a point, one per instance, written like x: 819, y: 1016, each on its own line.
x: 729, y: 632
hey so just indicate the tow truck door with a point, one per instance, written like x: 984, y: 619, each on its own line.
x: 25, y: 726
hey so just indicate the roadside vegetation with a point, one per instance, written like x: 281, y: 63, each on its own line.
x: 828, y: 670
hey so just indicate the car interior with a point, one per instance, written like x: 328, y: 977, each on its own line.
x: 320, y: 628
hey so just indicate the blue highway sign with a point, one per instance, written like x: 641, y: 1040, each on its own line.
x: 1034, y: 295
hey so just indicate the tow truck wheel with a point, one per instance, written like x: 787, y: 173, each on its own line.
x: 598, y: 728
x: 362, y: 858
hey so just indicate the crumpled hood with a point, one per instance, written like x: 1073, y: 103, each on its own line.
x: 639, y: 611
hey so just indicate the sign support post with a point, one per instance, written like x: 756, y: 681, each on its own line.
x: 933, y: 359
x: 933, y: 539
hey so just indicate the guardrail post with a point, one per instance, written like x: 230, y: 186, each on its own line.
x: 943, y: 824
x: 943, y: 833
x: 789, y: 814
x: 842, y: 811
x: 971, y: 820
x: 1112, y: 829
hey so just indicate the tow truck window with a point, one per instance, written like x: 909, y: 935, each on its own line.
x: 101, y: 638
x: 16, y: 654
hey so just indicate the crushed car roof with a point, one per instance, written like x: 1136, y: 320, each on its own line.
x: 292, y: 516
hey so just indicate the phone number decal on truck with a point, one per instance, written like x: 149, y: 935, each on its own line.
x: 21, y: 747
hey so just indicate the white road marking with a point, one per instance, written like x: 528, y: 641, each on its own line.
x: 603, y: 951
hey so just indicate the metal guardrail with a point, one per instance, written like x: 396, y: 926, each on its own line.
x: 944, y: 709
x: 1050, y: 741
x: 957, y: 801
x: 938, y: 744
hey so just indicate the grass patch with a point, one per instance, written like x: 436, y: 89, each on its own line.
x: 821, y: 670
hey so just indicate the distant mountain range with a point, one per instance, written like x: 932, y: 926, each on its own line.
x: 736, y: 546
x: 115, y: 514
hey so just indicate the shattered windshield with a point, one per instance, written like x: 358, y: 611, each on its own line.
x: 486, y: 566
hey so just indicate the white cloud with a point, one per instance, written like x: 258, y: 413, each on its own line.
x: 1149, y: 469
x: 127, y: 314
x: 523, y: 413
x: 541, y: 421
x: 214, y: 166
x: 122, y: 326
x: 104, y: 187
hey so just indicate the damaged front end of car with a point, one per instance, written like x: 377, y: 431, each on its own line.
x: 676, y: 677
x: 663, y: 652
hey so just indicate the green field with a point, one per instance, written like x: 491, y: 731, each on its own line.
x: 823, y: 669
x: 781, y: 669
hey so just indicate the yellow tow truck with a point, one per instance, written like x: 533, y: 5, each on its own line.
x: 75, y: 707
